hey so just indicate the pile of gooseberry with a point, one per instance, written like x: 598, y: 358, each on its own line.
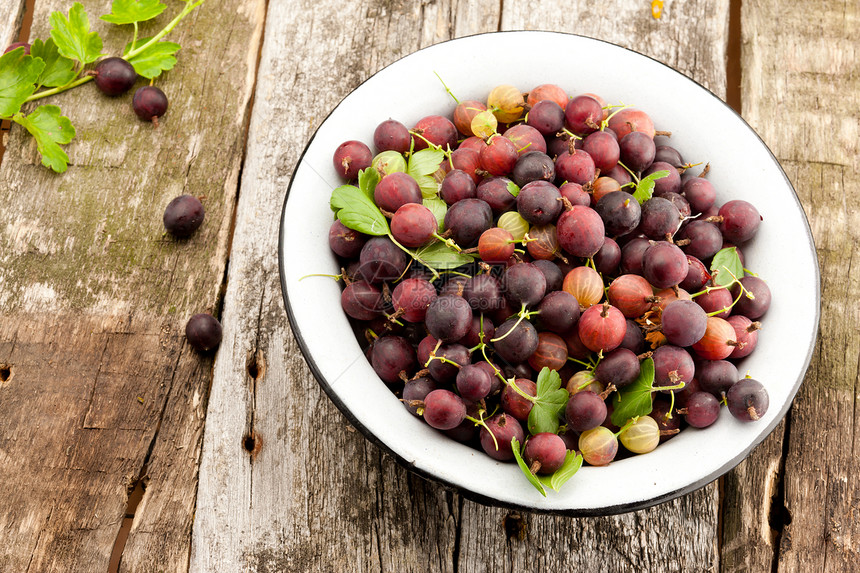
x: 596, y: 247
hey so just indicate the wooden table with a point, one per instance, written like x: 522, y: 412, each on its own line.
x: 242, y: 461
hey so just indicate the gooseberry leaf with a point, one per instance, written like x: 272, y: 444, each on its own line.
x: 438, y: 207
x: 439, y: 257
x: 725, y: 264
x: 551, y: 398
x: 367, y: 181
x: 73, y: 37
x: 155, y: 59
x: 513, y: 188
x: 18, y: 75
x: 50, y: 129
x: 533, y: 479
x: 429, y: 187
x: 571, y: 465
x: 645, y: 187
x: 422, y: 165
x: 425, y: 162
x: 635, y: 400
x: 356, y: 211
x: 58, y: 70
x: 131, y: 11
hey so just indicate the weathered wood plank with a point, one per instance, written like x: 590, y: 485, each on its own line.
x: 801, y: 93
x: 11, y: 15
x: 316, y: 496
x: 11, y: 18
x: 101, y: 389
x: 750, y: 497
x: 690, y: 36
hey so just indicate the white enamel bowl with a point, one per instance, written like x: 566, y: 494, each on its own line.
x: 703, y: 129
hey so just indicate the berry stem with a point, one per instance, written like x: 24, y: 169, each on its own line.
x: 629, y: 423
x: 189, y: 7
x: 566, y: 133
x: 451, y: 244
x: 336, y: 278
x: 498, y: 372
x: 447, y: 89
x: 393, y: 318
x: 414, y: 256
x: 53, y: 91
x: 430, y: 144
x: 480, y: 422
x: 585, y: 385
x: 134, y: 37
x: 512, y: 384
x: 523, y: 315
x: 433, y: 353
x: 605, y: 123
x: 726, y: 308
x: 609, y: 390
x: 633, y: 175
x: 688, y: 166
x: 586, y: 364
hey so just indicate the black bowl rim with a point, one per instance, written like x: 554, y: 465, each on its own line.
x: 493, y: 502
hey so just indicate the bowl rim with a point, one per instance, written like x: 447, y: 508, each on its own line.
x: 478, y: 497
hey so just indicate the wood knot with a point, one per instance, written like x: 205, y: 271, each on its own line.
x: 5, y: 372
x: 256, y: 364
x: 252, y: 443
x: 515, y: 526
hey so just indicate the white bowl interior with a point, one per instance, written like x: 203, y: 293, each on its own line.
x: 703, y: 129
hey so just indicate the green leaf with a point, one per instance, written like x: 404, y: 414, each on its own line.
x: 438, y: 207
x: 550, y: 400
x: 644, y: 190
x: 357, y: 211
x: 429, y: 187
x: 440, y: 257
x: 367, y: 181
x: 422, y: 164
x: 635, y: 399
x: 131, y: 11
x: 18, y: 75
x: 547, y: 381
x: 425, y: 162
x: 49, y: 128
x: 513, y: 188
x: 645, y: 187
x: 73, y: 37
x: 726, y: 263
x: 533, y: 479
x: 571, y: 465
x: 153, y: 60
x: 58, y: 70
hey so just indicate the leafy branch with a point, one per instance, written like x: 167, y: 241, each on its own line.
x: 354, y: 207
x: 60, y: 63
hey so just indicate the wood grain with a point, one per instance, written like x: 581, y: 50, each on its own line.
x: 315, y: 496
x: 801, y: 93
x: 11, y: 16
x: 100, y: 389
x: 690, y: 36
